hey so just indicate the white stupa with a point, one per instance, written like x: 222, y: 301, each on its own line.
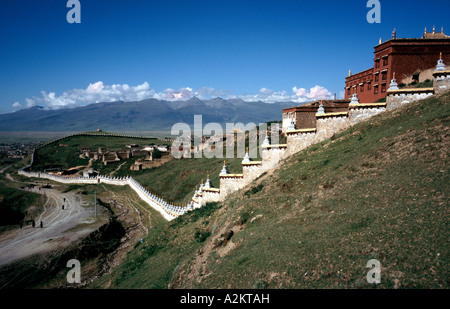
x: 393, y: 85
x: 440, y: 65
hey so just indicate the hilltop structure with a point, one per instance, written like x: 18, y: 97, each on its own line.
x: 412, y: 59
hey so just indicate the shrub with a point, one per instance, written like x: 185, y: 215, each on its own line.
x: 259, y: 284
x: 254, y: 190
x: 201, y: 236
x: 156, y: 154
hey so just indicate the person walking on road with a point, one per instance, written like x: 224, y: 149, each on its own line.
x: 33, y: 224
x: 41, y: 224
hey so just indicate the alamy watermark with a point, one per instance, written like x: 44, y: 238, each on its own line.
x: 374, y: 274
x: 74, y: 275
x: 74, y: 14
x: 374, y: 15
x: 212, y: 140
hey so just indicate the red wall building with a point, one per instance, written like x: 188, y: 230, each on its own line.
x: 407, y: 58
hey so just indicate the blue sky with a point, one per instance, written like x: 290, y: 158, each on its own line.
x: 251, y: 49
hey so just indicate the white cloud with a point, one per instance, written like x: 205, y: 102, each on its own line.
x: 16, y: 105
x: 99, y: 92
x: 174, y: 95
x: 318, y: 92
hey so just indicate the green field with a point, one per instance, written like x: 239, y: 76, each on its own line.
x: 378, y: 190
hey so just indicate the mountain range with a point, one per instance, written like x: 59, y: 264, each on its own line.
x: 150, y: 114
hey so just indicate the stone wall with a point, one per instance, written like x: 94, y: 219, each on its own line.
x: 328, y: 126
x: 230, y: 184
x: 441, y: 81
x: 299, y: 141
x: 397, y: 98
x: 359, y: 114
x: 210, y: 196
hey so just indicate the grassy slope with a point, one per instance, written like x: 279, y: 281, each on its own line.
x: 378, y: 190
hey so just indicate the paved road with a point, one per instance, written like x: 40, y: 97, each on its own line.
x: 20, y: 243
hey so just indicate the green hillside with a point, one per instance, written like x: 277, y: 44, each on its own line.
x: 65, y: 153
x: 378, y: 190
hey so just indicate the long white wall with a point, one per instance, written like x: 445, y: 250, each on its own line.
x: 167, y: 210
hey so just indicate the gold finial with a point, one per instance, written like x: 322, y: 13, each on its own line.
x: 224, y: 162
x: 393, y: 75
x: 207, y: 176
x: 434, y: 29
x: 246, y: 149
x: 425, y: 30
x: 440, y: 56
x: 202, y: 180
x: 349, y: 72
x: 380, y: 41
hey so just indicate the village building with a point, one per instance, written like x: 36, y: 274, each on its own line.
x: 124, y: 154
x: 110, y: 157
x: 140, y: 153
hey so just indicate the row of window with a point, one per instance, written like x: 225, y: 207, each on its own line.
x: 385, y: 62
x: 369, y: 87
x: 383, y: 76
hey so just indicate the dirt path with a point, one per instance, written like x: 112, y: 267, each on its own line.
x: 118, y: 168
x: 58, y: 227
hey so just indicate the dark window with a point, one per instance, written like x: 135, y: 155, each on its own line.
x: 383, y: 88
x: 361, y: 88
x: 384, y: 75
x: 375, y: 89
x: 385, y: 61
x: 376, y: 77
x: 369, y: 86
x: 377, y: 64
